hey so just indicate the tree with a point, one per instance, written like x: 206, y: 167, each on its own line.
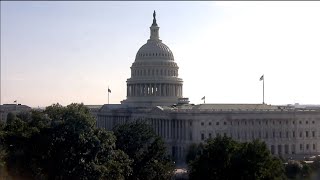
x: 146, y: 149
x: 293, y: 169
x: 306, y: 170
x: 62, y: 143
x: 256, y: 162
x: 214, y: 162
x: 193, y: 150
x: 223, y: 158
x: 2, y: 150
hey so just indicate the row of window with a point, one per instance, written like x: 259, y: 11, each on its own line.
x: 161, y: 63
x: 252, y: 123
x: 306, y: 134
x: 154, y: 54
x: 285, y: 147
x: 154, y: 72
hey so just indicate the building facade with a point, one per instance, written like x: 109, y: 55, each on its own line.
x: 5, y: 109
x: 154, y: 95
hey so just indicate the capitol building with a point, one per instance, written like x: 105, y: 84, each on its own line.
x: 155, y: 95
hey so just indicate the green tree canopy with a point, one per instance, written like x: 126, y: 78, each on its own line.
x: 2, y: 149
x: 225, y: 159
x: 146, y: 149
x: 62, y: 143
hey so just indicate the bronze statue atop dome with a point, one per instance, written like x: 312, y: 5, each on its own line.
x: 154, y: 19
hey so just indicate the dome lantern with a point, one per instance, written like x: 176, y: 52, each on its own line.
x: 154, y: 29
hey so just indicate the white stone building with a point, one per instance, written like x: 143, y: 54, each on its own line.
x: 154, y: 95
x: 5, y: 109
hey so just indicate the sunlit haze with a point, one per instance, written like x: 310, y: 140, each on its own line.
x: 72, y: 51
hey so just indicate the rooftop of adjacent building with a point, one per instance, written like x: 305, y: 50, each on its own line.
x: 13, y: 107
x: 213, y: 108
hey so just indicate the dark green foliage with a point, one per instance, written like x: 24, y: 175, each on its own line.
x: 302, y: 170
x: 316, y: 163
x: 146, y: 149
x: 225, y: 159
x: 193, y: 150
x: 293, y: 169
x: 2, y: 150
x: 62, y: 143
x: 306, y: 170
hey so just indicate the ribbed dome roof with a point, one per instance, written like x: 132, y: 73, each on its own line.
x: 154, y: 49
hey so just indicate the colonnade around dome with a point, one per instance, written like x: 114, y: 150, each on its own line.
x: 154, y: 89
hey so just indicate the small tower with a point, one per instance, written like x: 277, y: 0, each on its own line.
x: 154, y: 29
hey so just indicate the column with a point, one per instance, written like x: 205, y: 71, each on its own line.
x: 184, y: 130
x: 160, y: 90
x: 130, y: 90
x: 150, y: 90
x: 176, y: 90
x: 177, y: 129
x: 161, y: 120
x: 127, y: 90
x: 170, y: 137
x: 181, y: 130
x: 139, y: 89
x: 134, y: 90
x: 173, y: 129
x: 163, y: 128
x: 158, y: 126
x: 168, y: 126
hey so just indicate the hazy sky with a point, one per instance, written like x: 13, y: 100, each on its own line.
x: 72, y: 51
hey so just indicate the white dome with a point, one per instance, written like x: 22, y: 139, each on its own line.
x: 154, y: 49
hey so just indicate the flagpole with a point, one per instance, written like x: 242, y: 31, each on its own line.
x: 263, y: 91
x: 108, y: 94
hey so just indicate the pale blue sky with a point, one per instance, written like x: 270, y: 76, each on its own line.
x: 71, y: 51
